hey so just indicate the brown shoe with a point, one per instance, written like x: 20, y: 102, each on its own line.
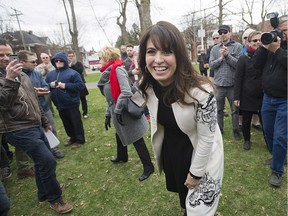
x: 61, y: 207
x: 26, y: 173
x: 75, y: 145
x: 69, y: 143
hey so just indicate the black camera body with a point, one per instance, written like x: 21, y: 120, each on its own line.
x: 270, y: 37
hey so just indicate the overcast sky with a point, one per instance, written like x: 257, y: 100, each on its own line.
x: 43, y: 17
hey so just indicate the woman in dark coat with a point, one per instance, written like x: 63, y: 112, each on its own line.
x: 247, y: 87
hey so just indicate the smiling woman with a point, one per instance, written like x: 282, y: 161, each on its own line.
x: 185, y: 135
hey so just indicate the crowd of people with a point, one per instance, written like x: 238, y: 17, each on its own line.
x: 185, y: 109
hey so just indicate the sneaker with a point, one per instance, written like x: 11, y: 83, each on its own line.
x: 247, y: 145
x: 61, y: 207
x: 237, y: 135
x: 85, y: 116
x: 275, y: 179
x: 75, y: 145
x: 57, y: 153
x: 69, y: 143
x: 26, y: 173
x: 6, y: 173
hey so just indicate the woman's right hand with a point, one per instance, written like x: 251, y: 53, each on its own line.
x: 237, y: 103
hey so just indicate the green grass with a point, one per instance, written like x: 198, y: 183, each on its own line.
x: 97, y: 187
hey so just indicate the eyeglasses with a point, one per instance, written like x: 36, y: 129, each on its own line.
x: 245, y: 38
x: 58, y: 60
x: 215, y: 38
x: 32, y: 62
x: 255, y: 40
x: 222, y: 32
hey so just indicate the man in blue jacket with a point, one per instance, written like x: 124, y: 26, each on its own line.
x: 29, y: 62
x: 65, y: 86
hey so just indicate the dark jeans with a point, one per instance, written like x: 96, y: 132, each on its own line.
x: 274, y: 118
x: 73, y: 125
x: 35, y: 144
x: 4, y: 201
x: 4, y: 161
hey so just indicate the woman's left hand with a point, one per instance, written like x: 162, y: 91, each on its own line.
x: 191, y: 183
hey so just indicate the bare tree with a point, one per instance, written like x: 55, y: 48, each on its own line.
x: 248, y: 10
x: 73, y: 30
x: 143, y: 7
x: 122, y: 19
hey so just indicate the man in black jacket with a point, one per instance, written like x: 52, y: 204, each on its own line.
x: 22, y: 121
x: 272, y: 60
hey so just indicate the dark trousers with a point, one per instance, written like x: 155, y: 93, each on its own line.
x: 4, y: 161
x: 84, y: 105
x: 35, y: 144
x: 246, y: 123
x: 71, y: 119
x: 4, y: 201
x: 142, y: 152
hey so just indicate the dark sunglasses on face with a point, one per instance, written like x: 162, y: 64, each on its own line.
x: 58, y: 60
x: 222, y: 32
x: 32, y: 62
x: 215, y: 38
x: 255, y: 40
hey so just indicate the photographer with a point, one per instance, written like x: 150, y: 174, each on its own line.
x: 271, y: 59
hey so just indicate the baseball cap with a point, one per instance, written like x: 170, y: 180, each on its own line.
x: 224, y: 27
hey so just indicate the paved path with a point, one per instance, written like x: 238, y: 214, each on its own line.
x: 91, y: 85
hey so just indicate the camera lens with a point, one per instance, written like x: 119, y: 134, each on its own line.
x: 268, y: 38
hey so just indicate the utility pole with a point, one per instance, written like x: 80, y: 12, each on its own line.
x: 61, y: 25
x: 16, y: 14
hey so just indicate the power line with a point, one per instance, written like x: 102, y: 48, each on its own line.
x: 16, y: 14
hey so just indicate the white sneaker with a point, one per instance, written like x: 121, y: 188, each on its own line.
x: 85, y: 116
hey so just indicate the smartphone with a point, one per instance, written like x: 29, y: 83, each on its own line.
x: 14, y: 57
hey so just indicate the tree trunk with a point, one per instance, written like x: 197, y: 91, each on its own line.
x: 73, y: 30
x: 144, y: 14
x: 122, y: 23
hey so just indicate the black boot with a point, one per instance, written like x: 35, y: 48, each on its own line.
x: 145, y: 158
x: 122, y: 154
x: 247, y: 145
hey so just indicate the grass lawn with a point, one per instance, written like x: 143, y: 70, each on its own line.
x: 97, y: 187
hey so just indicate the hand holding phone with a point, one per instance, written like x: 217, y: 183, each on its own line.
x: 13, y: 58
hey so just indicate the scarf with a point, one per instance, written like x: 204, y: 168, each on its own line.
x: 114, y: 84
x: 250, y: 50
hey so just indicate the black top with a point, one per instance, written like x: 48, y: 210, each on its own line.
x: 177, y: 149
x: 248, y: 84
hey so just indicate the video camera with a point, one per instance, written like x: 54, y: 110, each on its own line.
x: 270, y: 37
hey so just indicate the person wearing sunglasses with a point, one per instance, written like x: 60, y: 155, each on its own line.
x: 65, y: 86
x: 223, y: 59
x: 29, y: 62
x: 22, y: 121
x: 248, y: 93
x: 216, y: 40
x: 271, y: 59
x: 45, y: 67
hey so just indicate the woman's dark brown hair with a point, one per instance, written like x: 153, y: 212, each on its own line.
x: 167, y: 37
